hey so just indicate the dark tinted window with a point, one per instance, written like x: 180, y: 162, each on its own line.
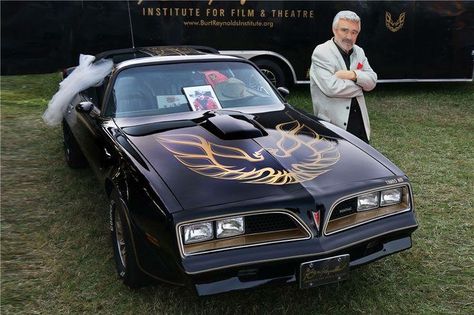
x: 173, y: 88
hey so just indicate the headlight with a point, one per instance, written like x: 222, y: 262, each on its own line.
x: 370, y: 206
x: 390, y: 197
x: 230, y: 227
x: 368, y: 201
x: 198, y: 232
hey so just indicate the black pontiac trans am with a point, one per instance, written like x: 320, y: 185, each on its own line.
x: 216, y: 182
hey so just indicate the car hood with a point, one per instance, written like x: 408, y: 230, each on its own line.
x: 224, y: 157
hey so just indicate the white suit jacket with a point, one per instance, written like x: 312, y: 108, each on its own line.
x: 332, y: 96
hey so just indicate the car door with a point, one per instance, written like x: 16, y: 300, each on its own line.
x: 88, y: 130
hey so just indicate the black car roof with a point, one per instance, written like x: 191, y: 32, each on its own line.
x: 119, y: 55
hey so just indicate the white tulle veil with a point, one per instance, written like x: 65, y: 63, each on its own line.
x: 84, y: 76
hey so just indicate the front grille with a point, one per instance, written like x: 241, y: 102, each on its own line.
x: 260, y: 228
x: 269, y: 222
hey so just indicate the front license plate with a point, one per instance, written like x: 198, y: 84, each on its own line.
x: 323, y: 271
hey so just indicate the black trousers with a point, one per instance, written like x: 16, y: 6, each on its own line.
x: 355, y: 125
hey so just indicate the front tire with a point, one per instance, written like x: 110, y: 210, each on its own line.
x: 125, y: 257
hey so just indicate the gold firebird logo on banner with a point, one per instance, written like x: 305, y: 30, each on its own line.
x: 222, y: 162
x: 397, y: 25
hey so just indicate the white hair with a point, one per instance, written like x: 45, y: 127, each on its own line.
x: 346, y: 15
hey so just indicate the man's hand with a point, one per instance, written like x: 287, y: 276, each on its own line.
x: 346, y: 75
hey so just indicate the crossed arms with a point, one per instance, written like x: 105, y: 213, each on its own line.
x: 341, y: 83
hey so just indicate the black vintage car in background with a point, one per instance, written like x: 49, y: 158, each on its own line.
x: 216, y: 182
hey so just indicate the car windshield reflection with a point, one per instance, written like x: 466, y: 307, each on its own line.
x: 175, y: 88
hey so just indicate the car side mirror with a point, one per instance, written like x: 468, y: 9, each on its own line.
x: 284, y: 92
x: 88, y: 108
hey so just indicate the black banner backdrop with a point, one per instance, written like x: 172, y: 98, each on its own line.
x: 403, y: 39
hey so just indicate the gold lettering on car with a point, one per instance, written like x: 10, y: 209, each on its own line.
x: 397, y: 25
x: 310, y: 156
x: 323, y: 272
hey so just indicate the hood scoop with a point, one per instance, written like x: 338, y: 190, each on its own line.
x: 233, y: 127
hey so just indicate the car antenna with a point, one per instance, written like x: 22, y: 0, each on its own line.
x: 131, y: 26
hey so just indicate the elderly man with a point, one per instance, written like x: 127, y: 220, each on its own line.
x: 340, y: 73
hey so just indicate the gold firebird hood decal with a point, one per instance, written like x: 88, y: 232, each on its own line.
x: 221, y: 162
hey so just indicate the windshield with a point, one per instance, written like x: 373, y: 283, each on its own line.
x: 174, y: 88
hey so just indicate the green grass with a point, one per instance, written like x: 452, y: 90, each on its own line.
x: 56, y: 256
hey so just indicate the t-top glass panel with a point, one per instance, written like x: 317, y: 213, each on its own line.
x: 174, y: 88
